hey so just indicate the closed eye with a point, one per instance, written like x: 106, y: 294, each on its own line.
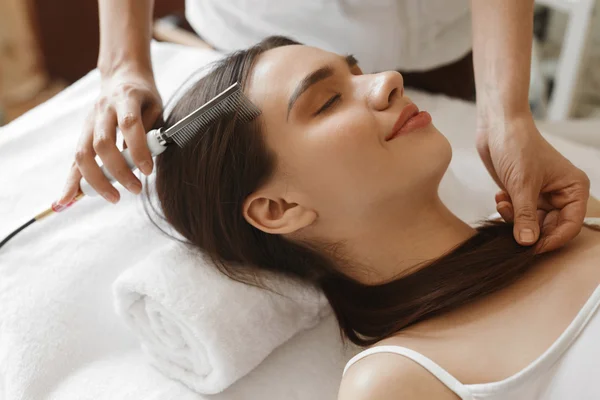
x: 328, y: 104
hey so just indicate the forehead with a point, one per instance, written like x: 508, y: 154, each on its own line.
x: 278, y: 71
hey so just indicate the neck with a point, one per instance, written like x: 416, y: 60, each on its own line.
x: 392, y: 244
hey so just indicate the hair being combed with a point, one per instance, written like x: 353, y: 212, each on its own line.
x: 201, y: 189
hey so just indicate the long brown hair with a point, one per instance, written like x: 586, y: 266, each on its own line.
x: 201, y: 189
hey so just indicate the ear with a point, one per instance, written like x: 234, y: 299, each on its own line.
x: 276, y: 215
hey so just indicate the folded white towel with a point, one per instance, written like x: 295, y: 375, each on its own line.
x: 203, y: 329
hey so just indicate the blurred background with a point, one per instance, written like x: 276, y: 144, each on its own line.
x: 47, y: 45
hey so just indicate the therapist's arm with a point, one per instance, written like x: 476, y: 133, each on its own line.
x: 125, y: 33
x: 502, y: 39
x: 520, y: 160
x: 128, y: 99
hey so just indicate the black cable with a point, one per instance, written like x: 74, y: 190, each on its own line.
x: 25, y: 225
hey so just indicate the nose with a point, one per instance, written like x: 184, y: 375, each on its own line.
x: 385, y: 86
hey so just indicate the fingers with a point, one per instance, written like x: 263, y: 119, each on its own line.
x: 71, y: 186
x: 560, y: 214
x: 526, y: 229
x: 503, y: 200
x: 570, y: 204
x: 104, y: 144
x: 152, y: 114
x: 532, y: 217
x: 130, y: 103
x: 542, y: 214
x: 502, y: 196
x: 86, y: 163
x: 505, y: 209
x: 129, y: 114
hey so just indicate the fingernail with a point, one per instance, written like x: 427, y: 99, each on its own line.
x: 134, y: 187
x: 146, y: 167
x: 110, y: 197
x: 526, y: 236
x: 63, y: 196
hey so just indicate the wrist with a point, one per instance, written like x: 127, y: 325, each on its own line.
x: 498, y: 103
x: 124, y: 63
x: 497, y: 118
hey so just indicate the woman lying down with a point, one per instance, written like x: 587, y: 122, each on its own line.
x: 323, y: 186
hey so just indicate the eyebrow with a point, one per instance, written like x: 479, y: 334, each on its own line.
x: 315, y: 77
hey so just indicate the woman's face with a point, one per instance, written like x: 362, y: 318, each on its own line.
x: 329, y: 126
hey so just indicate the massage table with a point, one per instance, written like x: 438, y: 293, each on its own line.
x: 59, y: 335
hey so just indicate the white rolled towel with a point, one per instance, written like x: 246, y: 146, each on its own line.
x: 203, y: 329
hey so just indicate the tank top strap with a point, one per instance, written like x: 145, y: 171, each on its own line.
x: 451, y: 382
x: 593, y: 221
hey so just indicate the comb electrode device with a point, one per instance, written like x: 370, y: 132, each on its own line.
x: 231, y: 101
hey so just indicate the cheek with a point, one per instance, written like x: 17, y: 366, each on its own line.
x: 340, y: 156
x: 422, y: 158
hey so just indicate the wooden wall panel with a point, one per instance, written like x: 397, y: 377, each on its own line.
x: 22, y: 73
x: 68, y: 33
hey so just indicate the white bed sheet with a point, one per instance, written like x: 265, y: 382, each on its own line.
x: 59, y: 336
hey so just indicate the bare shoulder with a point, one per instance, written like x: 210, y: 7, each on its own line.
x: 390, y: 376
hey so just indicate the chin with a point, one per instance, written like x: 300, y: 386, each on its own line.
x: 446, y: 152
x: 424, y: 159
x: 445, y: 155
x: 438, y: 155
x: 435, y: 144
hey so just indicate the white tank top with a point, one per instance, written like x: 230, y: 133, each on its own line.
x: 569, y: 369
x: 382, y: 34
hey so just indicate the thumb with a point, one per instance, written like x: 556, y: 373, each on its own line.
x: 526, y: 229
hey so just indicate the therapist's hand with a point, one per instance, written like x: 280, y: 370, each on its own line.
x: 128, y: 99
x: 539, y: 181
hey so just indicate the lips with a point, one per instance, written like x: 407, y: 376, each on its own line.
x: 409, y: 119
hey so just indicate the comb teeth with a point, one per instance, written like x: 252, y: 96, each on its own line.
x: 230, y: 101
